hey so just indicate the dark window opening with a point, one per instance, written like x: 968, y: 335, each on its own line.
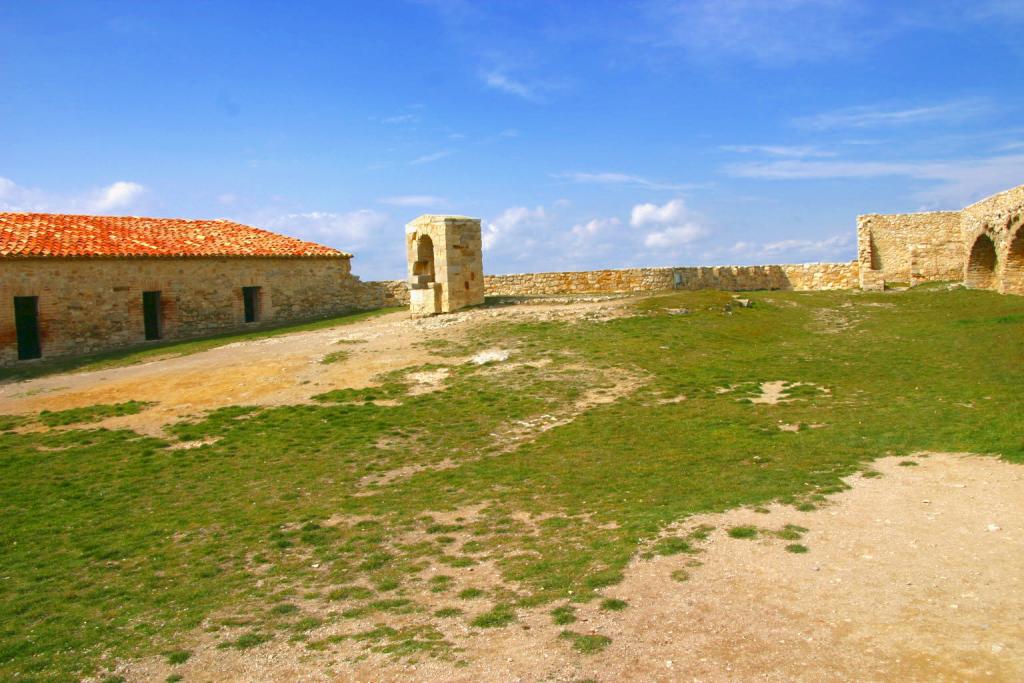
x: 26, y: 323
x: 151, y: 315
x: 251, y: 301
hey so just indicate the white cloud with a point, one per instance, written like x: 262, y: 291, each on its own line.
x: 119, y: 195
x: 608, y: 178
x: 425, y: 200
x: 349, y: 230
x: 14, y: 197
x: 838, y: 247
x: 511, y: 221
x: 670, y: 238
x: 499, y: 81
x: 428, y: 158
x: 874, y: 116
x: 593, y: 227
x: 674, y: 225
x: 652, y: 214
x: 797, y: 151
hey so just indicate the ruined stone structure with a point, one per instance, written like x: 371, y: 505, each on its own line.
x: 981, y: 245
x: 445, y: 257
x: 78, y: 284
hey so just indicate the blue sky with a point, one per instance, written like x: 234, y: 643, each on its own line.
x: 584, y: 134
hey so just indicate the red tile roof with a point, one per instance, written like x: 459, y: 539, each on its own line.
x: 49, y: 234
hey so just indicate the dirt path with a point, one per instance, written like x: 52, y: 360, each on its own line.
x: 914, y: 576
x: 280, y: 370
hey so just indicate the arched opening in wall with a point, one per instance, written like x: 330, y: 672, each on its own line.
x: 981, y: 265
x: 424, y: 266
x: 1013, y: 279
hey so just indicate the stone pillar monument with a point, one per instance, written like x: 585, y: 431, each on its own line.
x: 445, y: 264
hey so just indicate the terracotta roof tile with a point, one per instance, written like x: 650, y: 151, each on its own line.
x: 49, y: 234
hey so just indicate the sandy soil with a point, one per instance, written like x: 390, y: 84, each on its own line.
x: 913, y: 576
x: 281, y: 370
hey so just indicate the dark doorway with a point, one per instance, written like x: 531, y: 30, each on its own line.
x: 251, y: 300
x: 151, y: 315
x: 26, y: 322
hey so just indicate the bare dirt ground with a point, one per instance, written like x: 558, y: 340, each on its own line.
x: 280, y: 370
x: 912, y: 576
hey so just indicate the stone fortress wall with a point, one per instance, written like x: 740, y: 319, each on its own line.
x: 981, y: 245
x: 804, y: 277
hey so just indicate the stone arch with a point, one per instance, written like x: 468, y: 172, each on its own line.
x: 424, y: 265
x: 1013, y: 270
x: 981, y: 264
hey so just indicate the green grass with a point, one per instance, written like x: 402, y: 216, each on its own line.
x: 563, y: 615
x: 614, y: 605
x: 116, y: 547
x: 173, y: 348
x: 496, y: 617
x: 91, y: 413
x: 743, y: 532
x: 335, y: 357
x: 797, y: 548
x: 586, y: 644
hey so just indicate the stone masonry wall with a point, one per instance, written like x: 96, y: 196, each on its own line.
x: 1000, y: 218
x: 95, y: 304
x: 811, y: 276
x: 911, y: 248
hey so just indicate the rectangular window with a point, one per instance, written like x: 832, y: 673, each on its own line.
x: 251, y: 300
x: 26, y: 324
x: 151, y: 317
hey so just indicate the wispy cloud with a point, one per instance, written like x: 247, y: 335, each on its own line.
x: 348, y: 230
x: 592, y: 227
x: 605, y: 178
x: 119, y: 196
x: 779, y: 33
x: 429, y: 158
x: 837, y: 247
x: 876, y: 116
x: 497, y: 80
x: 414, y: 200
x: 798, y: 151
x: 960, y: 181
x: 401, y: 118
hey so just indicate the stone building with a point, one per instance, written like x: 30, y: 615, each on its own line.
x: 445, y: 258
x: 79, y: 284
x: 981, y: 245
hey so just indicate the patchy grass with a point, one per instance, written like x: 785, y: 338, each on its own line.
x: 91, y: 413
x: 496, y: 617
x: 117, y: 547
x: 563, y: 615
x: 335, y: 357
x: 586, y: 644
x: 614, y: 605
x: 743, y: 532
x: 797, y: 548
